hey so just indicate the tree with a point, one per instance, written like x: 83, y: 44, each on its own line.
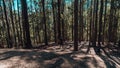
x: 63, y: 25
x: 100, y: 26
x: 20, y: 25
x: 9, y: 42
x: 44, y: 21
x: 105, y: 17
x: 16, y: 24
x: 25, y: 23
x: 54, y: 22
x: 3, y: 29
x: 13, y: 24
x: 59, y: 24
x: 110, y: 28
x: 81, y: 21
x: 96, y: 22
x: 76, y: 25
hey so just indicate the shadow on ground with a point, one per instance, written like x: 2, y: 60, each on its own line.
x: 44, y: 59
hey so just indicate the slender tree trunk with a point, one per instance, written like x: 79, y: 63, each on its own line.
x: 8, y: 28
x: 92, y: 24
x: 100, y: 26
x: 3, y: 25
x: 13, y: 25
x: 63, y: 3
x: 115, y: 24
x: 44, y: 19
x: 20, y: 25
x: 105, y: 18
x: 111, y: 21
x: 96, y: 22
x: 73, y: 26
x: 16, y: 24
x: 37, y: 27
x: 76, y: 25
x: 59, y: 23
x: 54, y: 21
x: 87, y: 20
x: 80, y: 22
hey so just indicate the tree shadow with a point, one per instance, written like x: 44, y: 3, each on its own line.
x: 108, y: 63
x: 115, y: 54
x: 55, y: 60
x: 43, y: 57
x: 108, y: 60
x: 29, y: 56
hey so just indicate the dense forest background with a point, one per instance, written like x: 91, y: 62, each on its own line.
x: 30, y: 23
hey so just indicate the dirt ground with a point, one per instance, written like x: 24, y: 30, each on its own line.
x: 56, y: 57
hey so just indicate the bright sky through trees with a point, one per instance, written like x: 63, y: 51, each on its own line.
x: 28, y: 2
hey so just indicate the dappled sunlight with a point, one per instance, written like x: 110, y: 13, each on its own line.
x: 59, y: 34
x: 16, y: 62
x: 54, y: 57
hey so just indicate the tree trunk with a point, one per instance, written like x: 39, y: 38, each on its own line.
x: 54, y: 21
x: 27, y: 40
x: 76, y: 25
x: 96, y: 22
x: 100, y: 26
x: 60, y: 40
x: 20, y: 25
x: 110, y: 28
x: 8, y: 27
x: 103, y: 36
x: 63, y: 3
x: 16, y: 24
x: 44, y: 21
x: 13, y: 24
x: 3, y: 25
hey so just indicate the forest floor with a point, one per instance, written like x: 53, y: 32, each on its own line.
x: 56, y: 57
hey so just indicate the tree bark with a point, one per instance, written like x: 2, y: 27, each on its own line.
x: 76, y: 25
x: 60, y: 39
x: 9, y: 43
x: 44, y: 21
x: 105, y: 18
x: 13, y: 24
x: 54, y: 21
x: 27, y: 40
x: 100, y: 26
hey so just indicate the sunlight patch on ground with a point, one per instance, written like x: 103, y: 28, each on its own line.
x: 50, y: 57
x: 16, y: 62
